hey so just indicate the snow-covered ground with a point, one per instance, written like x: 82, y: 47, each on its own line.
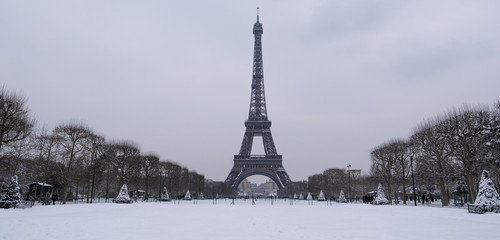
x: 185, y: 220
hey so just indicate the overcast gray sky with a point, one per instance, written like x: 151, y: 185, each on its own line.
x: 341, y: 77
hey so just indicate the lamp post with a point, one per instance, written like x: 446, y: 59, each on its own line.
x: 412, y: 176
x: 95, y: 146
x: 160, y: 192
x: 349, y: 172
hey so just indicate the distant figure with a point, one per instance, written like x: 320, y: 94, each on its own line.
x: 46, y: 199
x: 54, y: 198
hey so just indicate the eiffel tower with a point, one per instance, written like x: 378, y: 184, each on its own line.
x: 246, y: 164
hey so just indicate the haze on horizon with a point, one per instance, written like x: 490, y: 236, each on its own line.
x: 341, y: 77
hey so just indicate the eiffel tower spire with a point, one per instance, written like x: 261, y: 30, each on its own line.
x: 258, y: 110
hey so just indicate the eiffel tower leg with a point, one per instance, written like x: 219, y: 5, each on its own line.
x: 269, y: 143
x: 246, y: 145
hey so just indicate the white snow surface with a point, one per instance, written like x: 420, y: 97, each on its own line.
x: 186, y: 220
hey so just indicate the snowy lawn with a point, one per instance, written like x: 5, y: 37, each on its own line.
x: 244, y: 221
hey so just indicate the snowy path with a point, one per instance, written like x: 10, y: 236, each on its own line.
x: 244, y: 221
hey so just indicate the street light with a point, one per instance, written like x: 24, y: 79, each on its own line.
x: 95, y: 146
x: 349, y: 172
x: 412, y: 176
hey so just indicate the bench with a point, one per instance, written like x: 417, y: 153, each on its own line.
x: 21, y: 204
x: 24, y: 204
x: 478, y: 209
x: 472, y: 208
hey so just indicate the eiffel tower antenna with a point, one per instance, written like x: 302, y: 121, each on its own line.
x: 257, y: 14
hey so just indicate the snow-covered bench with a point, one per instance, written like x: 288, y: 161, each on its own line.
x: 473, y: 208
x: 24, y: 204
x: 21, y: 204
x: 480, y: 209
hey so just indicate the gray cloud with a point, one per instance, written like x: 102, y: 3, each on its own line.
x: 341, y: 76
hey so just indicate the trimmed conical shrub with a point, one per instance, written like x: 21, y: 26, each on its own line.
x: 164, y: 195
x: 381, y: 199
x: 342, y: 198
x: 123, y: 196
x: 309, y: 196
x: 321, y: 196
x: 187, y: 196
x: 301, y: 196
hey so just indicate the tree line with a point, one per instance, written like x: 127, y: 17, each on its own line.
x: 446, y: 154
x: 442, y: 158
x: 77, y: 161
x: 331, y: 182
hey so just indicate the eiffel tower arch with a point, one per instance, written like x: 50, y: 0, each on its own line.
x: 245, y: 163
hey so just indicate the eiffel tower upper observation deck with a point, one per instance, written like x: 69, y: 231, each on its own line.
x: 246, y: 164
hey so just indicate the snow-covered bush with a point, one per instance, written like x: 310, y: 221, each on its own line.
x: 301, y: 196
x: 488, y: 198
x: 309, y: 197
x: 123, y: 196
x: 487, y: 194
x: 164, y: 195
x: 381, y: 199
x: 321, y: 196
x: 10, y: 195
x: 187, y: 196
x: 342, y: 197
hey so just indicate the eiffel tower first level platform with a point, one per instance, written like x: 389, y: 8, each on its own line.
x: 246, y: 164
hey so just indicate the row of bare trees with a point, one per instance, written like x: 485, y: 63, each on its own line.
x: 443, y: 157
x: 75, y: 160
x: 451, y: 148
x: 334, y: 180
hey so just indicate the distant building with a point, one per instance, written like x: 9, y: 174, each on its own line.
x: 247, y: 188
x: 271, y: 188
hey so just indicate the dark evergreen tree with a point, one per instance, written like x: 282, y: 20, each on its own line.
x: 10, y: 195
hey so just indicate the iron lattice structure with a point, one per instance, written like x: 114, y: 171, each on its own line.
x: 246, y: 164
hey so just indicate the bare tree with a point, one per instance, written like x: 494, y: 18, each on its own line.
x: 171, y: 176
x: 467, y: 140
x: 16, y: 154
x: 401, y: 155
x: 334, y: 180
x: 492, y: 144
x: 434, y: 154
x: 46, y: 144
x: 15, y: 121
x: 124, y: 157
x: 197, y: 182
x: 150, y: 167
x: 74, y: 139
x: 91, y: 146
x: 384, y: 162
x: 315, y: 183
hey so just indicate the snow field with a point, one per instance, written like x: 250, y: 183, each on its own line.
x: 204, y: 220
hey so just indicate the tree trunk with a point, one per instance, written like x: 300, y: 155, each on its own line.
x: 65, y: 191
x: 146, y: 191
x: 88, y: 188
x: 404, y: 190
x: 445, y: 201
x: 469, y: 180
